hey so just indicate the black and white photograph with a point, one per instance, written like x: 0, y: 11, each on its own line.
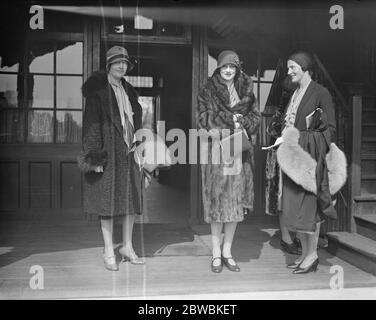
x: 187, y: 150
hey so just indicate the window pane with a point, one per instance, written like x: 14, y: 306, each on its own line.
x: 147, y: 104
x: 255, y: 91
x: 69, y: 59
x: 43, y: 94
x: 140, y: 82
x: 142, y: 23
x: 13, y: 68
x: 212, y: 65
x: 40, y: 126
x: 268, y: 75
x: 264, y: 93
x: 12, y: 124
x: 41, y: 57
x: 130, y: 25
x: 9, y: 90
x: 68, y: 92
x: 69, y: 126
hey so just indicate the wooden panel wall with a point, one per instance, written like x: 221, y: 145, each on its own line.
x: 40, y: 184
x: 70, y: 185
x: 40, y: 179
x: 9, y: 185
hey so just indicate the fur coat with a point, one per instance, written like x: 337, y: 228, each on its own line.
x: 118, y: 190
x: 226, y: 196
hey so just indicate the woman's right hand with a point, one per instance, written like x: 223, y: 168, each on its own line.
x: 98, y: 169
x: 236, y: 118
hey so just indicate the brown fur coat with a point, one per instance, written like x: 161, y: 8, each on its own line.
x: 225, y: 196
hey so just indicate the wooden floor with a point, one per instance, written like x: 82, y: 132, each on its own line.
x: 177, y: 262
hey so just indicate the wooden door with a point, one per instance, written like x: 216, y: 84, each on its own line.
x: 41, y: 122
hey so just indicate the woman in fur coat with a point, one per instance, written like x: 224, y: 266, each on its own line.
x: 113, y: 185
x: 313, y: 168
x: 227, y: 102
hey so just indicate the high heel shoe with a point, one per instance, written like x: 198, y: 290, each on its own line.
x: 133, y: 260
x: 110, y: 263
x: 294, y: 265
x: 312, y: 267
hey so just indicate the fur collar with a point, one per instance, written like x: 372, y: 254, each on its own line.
x: 243, y: 86
x: 301, y: 167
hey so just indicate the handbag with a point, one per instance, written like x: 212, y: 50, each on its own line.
x: 156, y: 154
x: 235, y: 144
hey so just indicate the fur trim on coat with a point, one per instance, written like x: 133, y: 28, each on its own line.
x: 214, y: 110
x: 301, y: 167
x: 89, y: 161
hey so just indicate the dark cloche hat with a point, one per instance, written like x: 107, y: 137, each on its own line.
x: 116, y: 54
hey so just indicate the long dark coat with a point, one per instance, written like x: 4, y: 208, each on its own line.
x: 226, y: 196
x: 301, y: 209
x: 118, y: 190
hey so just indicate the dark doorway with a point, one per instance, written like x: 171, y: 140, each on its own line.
x: 163, y: 78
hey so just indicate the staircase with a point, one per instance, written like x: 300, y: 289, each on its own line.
x: 359, y: 246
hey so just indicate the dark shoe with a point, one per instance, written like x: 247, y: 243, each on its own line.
x: 216, y: 269
x: 312, y: 267
x: 231, y: 267
x: 290, y: 248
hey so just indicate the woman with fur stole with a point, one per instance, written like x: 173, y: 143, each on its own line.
x: 313, y: 168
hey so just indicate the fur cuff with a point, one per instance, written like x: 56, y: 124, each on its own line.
x: 301, y: 167
x: 92, y: 159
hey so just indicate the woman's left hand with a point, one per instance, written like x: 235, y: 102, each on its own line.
x: 236, y: 118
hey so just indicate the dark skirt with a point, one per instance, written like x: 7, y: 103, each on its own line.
x: 299, y: 207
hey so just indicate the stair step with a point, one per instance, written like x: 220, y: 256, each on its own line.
x: 365, y: 198
x: 366, y: 225
x: 365, y: 204
x: 353, y: 248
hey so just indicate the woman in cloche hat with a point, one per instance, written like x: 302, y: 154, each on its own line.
x: 227, y: 102
x: 313, y: 168
x: 113, y: 183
